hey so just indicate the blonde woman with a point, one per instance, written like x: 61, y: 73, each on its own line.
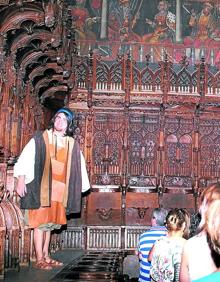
x: 166, y: 254
x: 212, y: 228
x: 196, y: 259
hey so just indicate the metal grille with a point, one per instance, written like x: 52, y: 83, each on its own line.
x: 73, y: 238
x: 132, y: 235
x: 102, y: 238
x: 4, y: 2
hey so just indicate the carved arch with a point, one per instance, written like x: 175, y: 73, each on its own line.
x: 15, y: 21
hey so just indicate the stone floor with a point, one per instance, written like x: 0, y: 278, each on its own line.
x: 69, y: 258
x: 30, y: 274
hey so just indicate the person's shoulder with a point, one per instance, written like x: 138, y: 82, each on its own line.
x: 191, y: 240
x: 182, y: 242
x: 38, y: 134
x: 199, y: 236
x: 158, y: 230
x: 215, y: 276
x: 163, y: 239
x: 192, y: 243
x: 144, y: 233
x: 154, y: 231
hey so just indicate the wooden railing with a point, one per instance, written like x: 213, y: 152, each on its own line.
x: 125, y: 77
x: 99, y: 238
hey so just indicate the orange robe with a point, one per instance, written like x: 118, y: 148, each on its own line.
x: 54, y: 214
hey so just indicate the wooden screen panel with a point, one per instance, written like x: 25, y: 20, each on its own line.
x: 107, y: 146
x: 209, y: 153
x: 178, y: 153
x: 104, y: 208
x: 139, y: 208
x: 142, y: 156
x: 170, y: 201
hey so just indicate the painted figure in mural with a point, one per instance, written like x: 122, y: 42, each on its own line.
x: 163, y: 25
x: 83, y: 24
x: 122, y: 19
x: 51, y: 175
x: 216, y: 32
x: 216, y: 36
x: 203, y: 25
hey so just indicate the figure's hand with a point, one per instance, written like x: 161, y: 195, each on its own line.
x: 193, y: 13
x: 21, y: 187
x: 140, y: 256
x: 96, y: 19
x: 149, y: 22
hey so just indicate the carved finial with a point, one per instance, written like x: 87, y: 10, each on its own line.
x: 104, y: 213
x: 141, y: 211
x: 1, y: 190
x: 184, y: 62
x: 148, y: 57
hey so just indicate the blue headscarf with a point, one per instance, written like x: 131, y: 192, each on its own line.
x: 70, y: 115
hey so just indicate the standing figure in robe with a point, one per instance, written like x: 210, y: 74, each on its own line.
x: 51, y: 176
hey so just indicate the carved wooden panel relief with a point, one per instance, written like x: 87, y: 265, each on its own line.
x: 178, y: 146
x: 104, y: 208
x: 107, y: 146
x: 142, y: 154
x: 109, y: 75
x: 178, y: 200
x: 139, y: 208
x: 209, y: 153
x: 149, y: 128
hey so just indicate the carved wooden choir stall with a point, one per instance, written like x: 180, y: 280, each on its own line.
x: 149, y: 130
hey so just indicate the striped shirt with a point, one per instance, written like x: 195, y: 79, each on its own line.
x: 146, y: 241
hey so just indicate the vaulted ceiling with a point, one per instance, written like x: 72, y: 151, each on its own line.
x: 36, y: 46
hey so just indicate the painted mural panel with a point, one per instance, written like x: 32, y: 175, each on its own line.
x: 190, y: 25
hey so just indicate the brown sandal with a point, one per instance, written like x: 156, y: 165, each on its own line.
x: 43, y: 265
x: 53, y: 262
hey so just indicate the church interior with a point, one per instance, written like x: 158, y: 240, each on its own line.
x: 143, y: 79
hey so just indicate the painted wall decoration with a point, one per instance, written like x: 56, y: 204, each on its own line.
x: 191, y: 27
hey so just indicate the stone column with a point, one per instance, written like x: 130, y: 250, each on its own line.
x: 179, y: 38
x: 103, y: 33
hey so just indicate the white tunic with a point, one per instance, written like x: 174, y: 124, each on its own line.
x: 25, y: 164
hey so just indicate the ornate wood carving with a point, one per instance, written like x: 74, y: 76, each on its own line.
x: 148, y: 129
x: 12, y: 233
x: 105, y: 208
x: 15, y: 236
x: 2, y: 235
x: 107, y: 154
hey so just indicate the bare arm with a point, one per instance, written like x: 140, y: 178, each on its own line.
x: 150, y: 255
x: 176, y: 272
x: 21, y: 187
x: 184, y: 270
x: 138, y: 254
